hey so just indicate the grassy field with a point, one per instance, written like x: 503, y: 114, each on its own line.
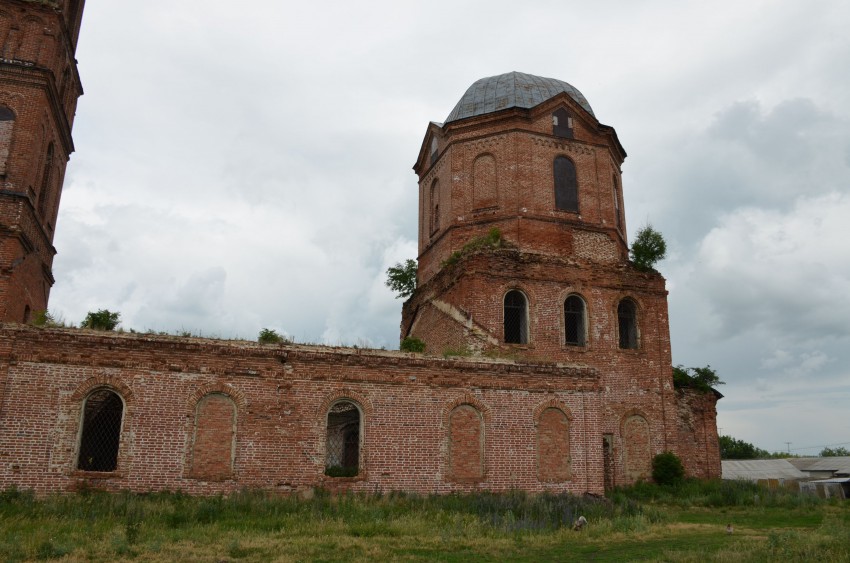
x: 642, y: 523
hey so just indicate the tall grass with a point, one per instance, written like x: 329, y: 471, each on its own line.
x: 254, y: 525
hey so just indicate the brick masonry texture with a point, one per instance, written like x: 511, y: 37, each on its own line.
x: 472, y: 413
x: 39, y: 85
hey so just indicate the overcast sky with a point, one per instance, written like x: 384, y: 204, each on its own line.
x: 243, y: 165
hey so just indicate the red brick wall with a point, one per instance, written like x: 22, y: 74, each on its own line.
x: 40, y: 85
x: 553, y: 446
x: 466, y: 444
x: 215, y: 433
x: 282, y: 395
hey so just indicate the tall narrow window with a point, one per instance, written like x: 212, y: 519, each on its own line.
x: 435, y: 153
x: 435, y: 206
x: 466, y: 444
x: 566, y: 186
x: 7, y: 124
x: 574, y: 325
x: 26, y: 314
x: 44, y: 193
x: 553, y: 446
x: 562, y: 124
x: 484, y: 182
x: 344, y: 436
x: 102, y: 414
x: 214, y: 442
x: 617, y: 202
x: 627, y: 322
x: 516, y: 318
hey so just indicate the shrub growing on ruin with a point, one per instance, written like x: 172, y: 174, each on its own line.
x: 412, y: 344
x: 103, y: 319
x: 649, y: 247
x: 270, y: 336
x: 401, y: 278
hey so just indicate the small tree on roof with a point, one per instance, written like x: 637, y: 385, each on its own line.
x: 649, y: 247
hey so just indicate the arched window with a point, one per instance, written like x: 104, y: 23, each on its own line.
x: 562, y: 124
x: 627, y: 323
x: 344, y: 437
x: 26, y: 314
x: 435, y: 206
x: 566, y: 185
x: 7, y: 124
x: 516, y: 318
x: 214, y: 443
x: 617, y: 202
x: 553, y: 446
x: 637, y: 443
x: 45, y: 181
x: 435, y: 153
x: 574, y: 321
x: 484, y: 181
x: 103, y: 411
x: 466, y: 444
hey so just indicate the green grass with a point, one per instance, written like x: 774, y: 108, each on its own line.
x: 642, y: 523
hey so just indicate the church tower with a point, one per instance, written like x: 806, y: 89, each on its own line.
x: 39, y: 87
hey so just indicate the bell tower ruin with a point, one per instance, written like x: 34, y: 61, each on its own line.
x: 39, y: 87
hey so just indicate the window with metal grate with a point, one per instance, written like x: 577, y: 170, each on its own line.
x: 101, y: 436
x: 627, y: 321
x: 574, y: 321
x: 516, y: 318
x: 342, y: 456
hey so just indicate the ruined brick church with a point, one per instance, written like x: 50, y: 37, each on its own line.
x: 547, y: 363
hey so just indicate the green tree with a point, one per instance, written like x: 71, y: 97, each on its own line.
x: 667, y: 469
x: 103, y: 319
x: 270, y: 336
x: 412, y: 344
x: 648, y: 248
x: 834, y: 452
x: 401, y: 278
x: 701, y: 379
x: 732, y: 448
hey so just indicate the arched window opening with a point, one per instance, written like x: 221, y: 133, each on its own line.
x: 627, y: 322
x: 435, y: 206
x: 562, y: 124
x: 553, y: 446
x: 638, y: 448
x: 102, y: 415
x: 214, y: 443
x: 45, y: 180
x: 566, y: 185
x: 574, y: 321
x: 26, y: 314
x: 617, y: 202
x: 344, y: 436
x: 466, y: 444
x: 435, y: 153
x: 516, y: 318
x: 484, y: 184
x: 7, y: 124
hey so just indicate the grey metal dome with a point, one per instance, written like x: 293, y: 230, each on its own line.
x: 514, y: 89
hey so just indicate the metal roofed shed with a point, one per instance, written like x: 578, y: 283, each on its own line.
x: 514, y: 89
x: 760, y: 469
x: 823, y: 466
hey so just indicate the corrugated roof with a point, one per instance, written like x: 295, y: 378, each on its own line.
x: 755, y: 469
x: 514, y: 89
x: 839, y: 464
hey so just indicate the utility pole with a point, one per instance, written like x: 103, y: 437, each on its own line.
x: 789, y: 446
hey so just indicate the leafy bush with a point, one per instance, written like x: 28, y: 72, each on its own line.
x: 649, y: 247
x: 667, y: 469
x: 834, y: 452
x: 701, y: 379
x: 270, y: 336
x: 103, y: 319
x: 412, y: 344
x: 401, y: 278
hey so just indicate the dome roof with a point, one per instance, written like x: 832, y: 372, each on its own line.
x: 510, y: 90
